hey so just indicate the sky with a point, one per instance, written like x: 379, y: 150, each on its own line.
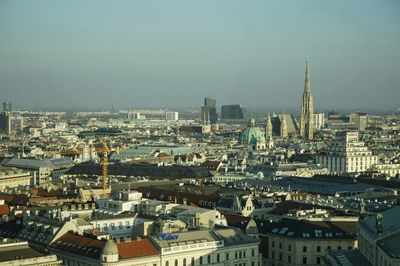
x: 92, y: 53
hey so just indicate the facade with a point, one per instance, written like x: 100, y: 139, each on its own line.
x: 118, y: 226
x: 122, y: 202
x: 233, y: 111
x: 307, y: 109
x: 12, y: 178
x: 220, y: 247
x: 347, y: 154
x: 319, y: 120
x: 390, y: 170
x: 303, y: 242
x: 171, y: 116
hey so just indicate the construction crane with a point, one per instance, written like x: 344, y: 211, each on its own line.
x: 105, y: 151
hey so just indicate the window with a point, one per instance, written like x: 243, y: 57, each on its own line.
x: 304, y: 260
x: 244, y: 254
x: 289, y: 259
x: 209, y: 259
x: 176, y: 262
x: 280, y: 256
x: 329, y: 247
x: 273, y: 255
x: 192, y: 261
x: 304, y: 248
x: 273, y: 244
x: 227, y: 256
x: 318, y: 260
x: 349, y: 247
x: 339, y: 247
x: 318, y: 248
x: 201, y: 260
x: 253, y: 252
x: 218, y: 258
x: 289, y: 248
x: 167, y: 263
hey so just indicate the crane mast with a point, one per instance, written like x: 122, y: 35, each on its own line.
x: 105, y: 152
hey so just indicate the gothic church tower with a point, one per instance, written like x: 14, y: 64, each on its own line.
x: 307, y: 109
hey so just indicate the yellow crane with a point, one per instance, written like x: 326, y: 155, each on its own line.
x: 105, y: 151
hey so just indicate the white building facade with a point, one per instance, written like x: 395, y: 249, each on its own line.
x: 347, y: 154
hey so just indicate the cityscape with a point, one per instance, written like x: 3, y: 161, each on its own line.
x: 98, y: 168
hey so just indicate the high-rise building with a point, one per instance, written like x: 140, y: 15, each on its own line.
x: 7, y: 106
x: 171, y: 116
x: 11, y: 123
x: 347, y: 154
x: 319, y: 120
x: 233, y: 111
x: 209, y: 111
x: 307, y: 109
x: 359, y: 120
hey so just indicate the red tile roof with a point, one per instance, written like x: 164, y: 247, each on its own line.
x: 136, y: 248
x: 82, y: 245
x: 4, y: 210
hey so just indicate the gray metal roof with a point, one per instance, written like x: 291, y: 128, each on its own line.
x: 36, y: 164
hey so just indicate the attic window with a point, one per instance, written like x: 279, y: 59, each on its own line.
x: 283, y: 231
x: 306, y: 234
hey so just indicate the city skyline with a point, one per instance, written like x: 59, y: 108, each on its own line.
x: 152, y: 54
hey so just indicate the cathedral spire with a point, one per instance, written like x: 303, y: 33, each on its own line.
x: 307, y: 108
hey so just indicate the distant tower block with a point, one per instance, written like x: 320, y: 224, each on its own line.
x: 307, y: 109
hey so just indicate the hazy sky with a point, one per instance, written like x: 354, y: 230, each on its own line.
x: 77, y: 53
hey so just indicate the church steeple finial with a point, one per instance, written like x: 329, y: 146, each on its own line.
x: 307, y: 86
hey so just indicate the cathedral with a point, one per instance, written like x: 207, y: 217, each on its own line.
x: 285, y: 125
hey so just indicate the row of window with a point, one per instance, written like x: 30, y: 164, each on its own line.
x: 289, y: 259
x: 318, y: 248
x: 208, y: 260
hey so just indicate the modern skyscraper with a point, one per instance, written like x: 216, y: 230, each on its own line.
x: 359, y: 120
x: 7, y: 106
x: 209, y: 111
x: 233, y: 111
x: 307, y: 109
x: 11, y: 123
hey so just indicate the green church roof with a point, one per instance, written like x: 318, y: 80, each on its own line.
x: 251, y: 136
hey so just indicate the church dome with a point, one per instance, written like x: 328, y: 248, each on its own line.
x: 252, y: 135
